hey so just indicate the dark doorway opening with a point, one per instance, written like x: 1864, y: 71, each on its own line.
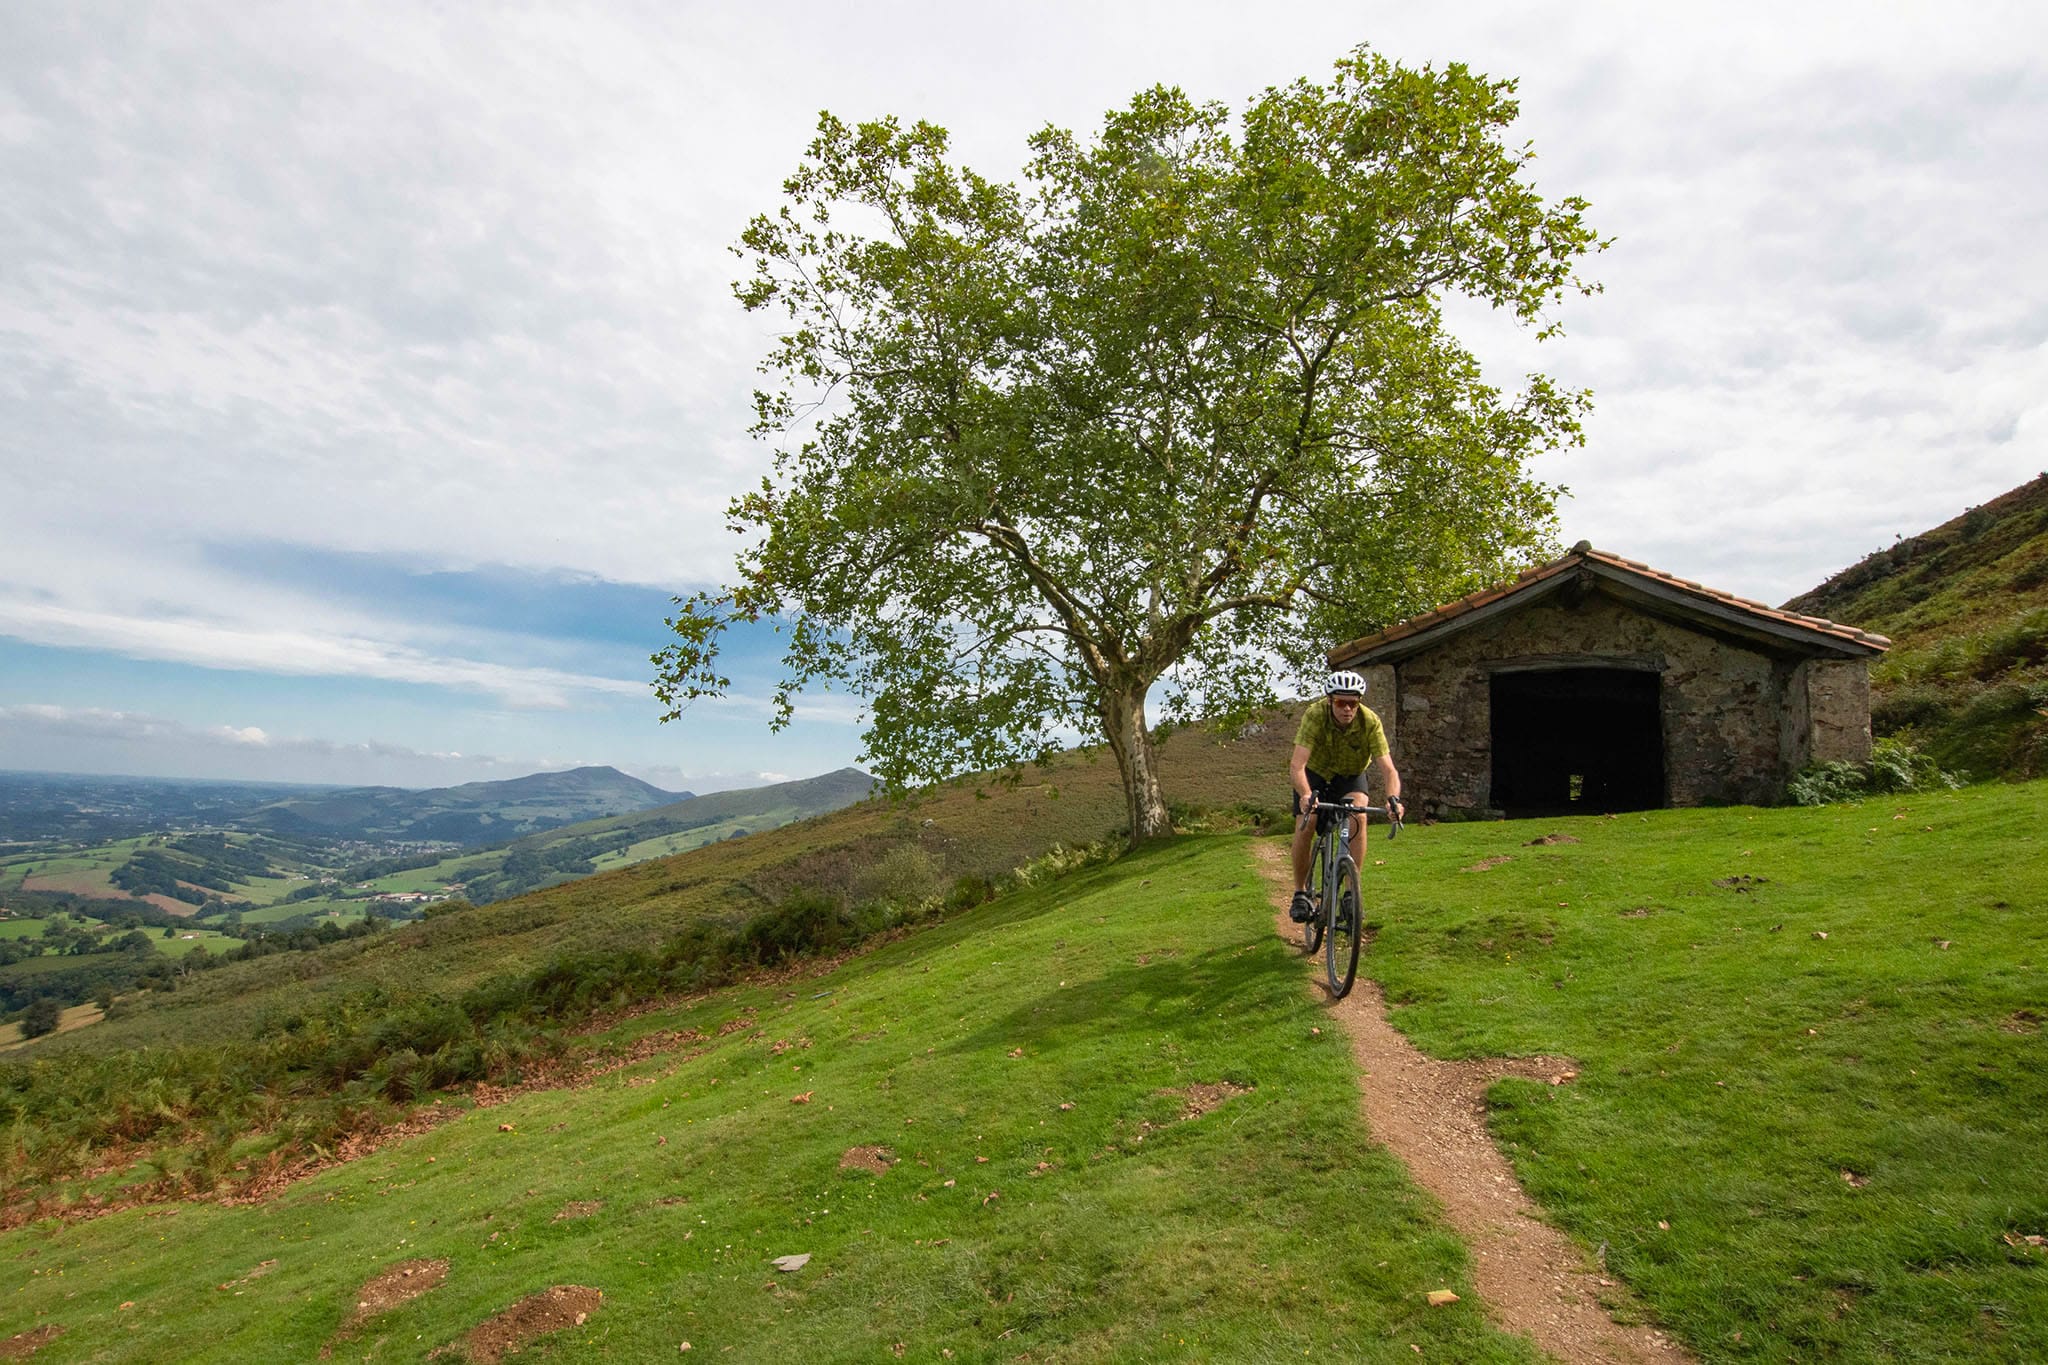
x: 1572, y: 741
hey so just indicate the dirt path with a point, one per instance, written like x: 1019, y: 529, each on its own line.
x: 1432, y: 1115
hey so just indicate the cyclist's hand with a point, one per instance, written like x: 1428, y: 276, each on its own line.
x: 1397, y: 810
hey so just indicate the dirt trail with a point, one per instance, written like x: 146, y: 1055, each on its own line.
x: 1432, y: 1115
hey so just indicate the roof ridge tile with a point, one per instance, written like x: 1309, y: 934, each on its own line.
x: 1472, y: 601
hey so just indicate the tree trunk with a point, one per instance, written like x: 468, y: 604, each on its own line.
x: 1123, y: 721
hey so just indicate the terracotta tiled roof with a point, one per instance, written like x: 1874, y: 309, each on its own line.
x: 1682, y: 592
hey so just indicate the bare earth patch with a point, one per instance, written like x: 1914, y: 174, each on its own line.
x: 402, y: 1283
x: 1432, y: 1115
x: 1200, y: 1098
x: 873, y: 1160
x: 256, y: 1274
x: 1488, y: 864
x: 1548, y: 840
x: 577, y: 1208
x: 555, y: 1309
x: 22, y: 1345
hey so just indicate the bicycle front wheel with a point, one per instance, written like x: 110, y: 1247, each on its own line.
x: 1344, y: 927
x: 1312, y: 927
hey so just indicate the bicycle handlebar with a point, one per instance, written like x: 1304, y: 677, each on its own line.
x: 1346, y: 808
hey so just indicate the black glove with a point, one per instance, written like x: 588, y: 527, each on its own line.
x: 1397, y: 809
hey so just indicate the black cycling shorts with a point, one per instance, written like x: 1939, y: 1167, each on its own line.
x: 1330, y: 788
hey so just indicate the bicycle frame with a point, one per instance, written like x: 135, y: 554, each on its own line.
x: 1338, y: 923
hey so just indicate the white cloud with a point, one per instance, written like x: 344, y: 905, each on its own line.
x: 452, y: 283
x: 290, y: 652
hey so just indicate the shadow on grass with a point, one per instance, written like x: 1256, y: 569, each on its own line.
x: 1197, y: 996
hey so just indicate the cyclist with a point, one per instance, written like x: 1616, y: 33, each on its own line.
x: 1337, y: 738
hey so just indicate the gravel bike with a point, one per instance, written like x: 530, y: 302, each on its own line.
x: 1337, y: 923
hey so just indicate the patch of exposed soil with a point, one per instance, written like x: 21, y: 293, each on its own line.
x: 1488, y: 864
x: 577, y: 1208
x: 873, y: 1160
x: 1546, y: 840
x: 1200, y: 1098
x: 256, y: 1274
x: 402, y: 1283
x: 2022, y: 1021
x: 1432, y: 1115
x: 555, y: 1309
x: 22, y: 1345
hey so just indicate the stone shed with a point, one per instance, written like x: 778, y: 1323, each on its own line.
x: 1595, y: 683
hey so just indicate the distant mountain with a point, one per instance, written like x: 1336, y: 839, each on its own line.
x: 578, y: 850
x: 1966, y: 607
x: 473, y: 814
x: 89, y: 807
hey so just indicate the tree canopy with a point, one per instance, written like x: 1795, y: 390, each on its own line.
x: 1179, y: 411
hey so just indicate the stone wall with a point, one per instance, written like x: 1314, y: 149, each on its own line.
x: 1736, y: 723
x: 1837, y: 713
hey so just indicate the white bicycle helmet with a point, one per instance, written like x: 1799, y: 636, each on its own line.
x: 1346, y: 682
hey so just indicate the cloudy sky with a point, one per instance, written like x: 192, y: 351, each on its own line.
x: 370, y: 377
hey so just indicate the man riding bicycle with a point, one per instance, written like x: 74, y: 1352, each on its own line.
x: 1337, y: 738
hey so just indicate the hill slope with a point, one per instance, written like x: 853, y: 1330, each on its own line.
x: 952, y: 835
x: 1966, y: 606
x: 473, y: 813
x: 559, y: 855
x: 1107, y: 1119
x: 1104, y: 1123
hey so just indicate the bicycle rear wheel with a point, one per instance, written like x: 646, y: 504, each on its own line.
x: 1345, y: 927
x: 1312, y: 927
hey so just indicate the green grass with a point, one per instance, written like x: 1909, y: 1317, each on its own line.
x: 272, y: 914
x: 439, y: 875
x: 965, y: 831
x: 1819, y: 1143
x: 1267, y: 1229
x: 668, y: 845
x: 264, y: 890
x: 1790, y: 1146
x: 21, y: 928
x: 180, y: 944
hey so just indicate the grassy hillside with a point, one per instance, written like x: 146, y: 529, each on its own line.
x: 1108, y: 1119
x: 1033, y: 1076
x: 957, y: 833
x: 1966, y: 606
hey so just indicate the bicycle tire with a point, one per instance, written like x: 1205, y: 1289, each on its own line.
x: 1344, y: 929
x: 1312, y: 927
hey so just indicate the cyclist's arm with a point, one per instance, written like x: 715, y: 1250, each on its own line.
x: 1390, y: 776
x: 1297, y: 772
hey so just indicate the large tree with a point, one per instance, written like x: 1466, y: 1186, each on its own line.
x: 1178, y: 411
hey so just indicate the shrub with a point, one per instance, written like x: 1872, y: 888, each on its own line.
x: 905, y: 877
x: 806, y: 921
x: 1910, y: 705
x: 1895, y: 766
x: 425, y: 1027
x: 2023, y: 640
x: 1060, y: 861
x: 41, y: 1017
x: 969, y: 891
x: 1823, y: 784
